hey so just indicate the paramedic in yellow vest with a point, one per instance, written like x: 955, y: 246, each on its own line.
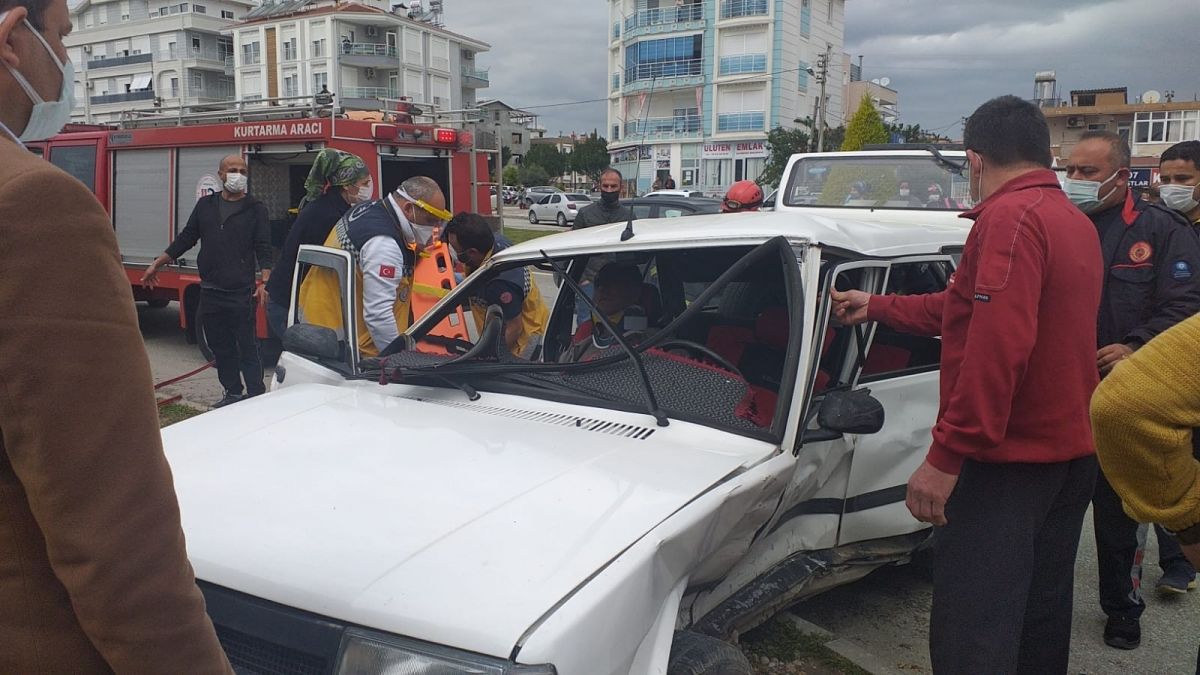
x: 513, y: 290
x: 383, y: 237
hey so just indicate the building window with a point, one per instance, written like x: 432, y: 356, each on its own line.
x: 732, y: 9
x: 743, y: 53
x: 1097, y: 127
x: 320, y: 80
x: 319, y: 48
x: 174, y: 87
x: 616, y: 132
x: 670, y: 57
x: 226, y: 14
x: 744, y: 121
x: 1171, y: 126
x: 291, y: 85
x: 172, y: 50
x: 195, y: 45
x: 197, y: 82
x: 516, y: 138
x: 200, y: 9
x: 803, y: 76
x: 829, y: 17
x: 1085, y: 100
x: 251, y: 54
x: 289, y: 50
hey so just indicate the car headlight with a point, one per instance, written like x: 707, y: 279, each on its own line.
x: 370, y: 653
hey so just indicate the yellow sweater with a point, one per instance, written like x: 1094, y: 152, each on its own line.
x: 1143, y: 415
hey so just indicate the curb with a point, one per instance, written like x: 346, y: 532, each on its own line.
x: 846, y: 649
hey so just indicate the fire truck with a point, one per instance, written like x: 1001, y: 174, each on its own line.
x: 148, y: 170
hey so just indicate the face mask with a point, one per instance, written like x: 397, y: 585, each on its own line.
x: 236, y: 183
x: 904, y: 192
x: 47, y: 117
x: 1085, y: 194
x: 364, y: 193
x: 1178, y: 197
x: 610, y: 198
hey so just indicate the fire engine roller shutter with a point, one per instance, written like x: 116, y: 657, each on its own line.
x: 397, y: 169
x: 141, y: 200
x: 191, y: 166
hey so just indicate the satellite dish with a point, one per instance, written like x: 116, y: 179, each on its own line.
x: 885, y: 81
x: 1151, y: 96
x: 875, y: 81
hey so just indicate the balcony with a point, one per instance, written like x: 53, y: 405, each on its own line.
x: 743, y: 121
x: 368, y: 55
x: 743, y: 63
x: 229, y: 65
x: 664, y: 128
x: 663, y: 20
x: 366, y: 98
x: 114, y: 61
x: 664, y: 74
x: 475, y: 78
x: 740, y: 9
x: 147, y: 95
x: 211, y: 57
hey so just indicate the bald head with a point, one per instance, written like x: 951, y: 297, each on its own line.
x: 424, y: 189
x: 233, y: 165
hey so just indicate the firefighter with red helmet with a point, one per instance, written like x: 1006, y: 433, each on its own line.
x: 744, y: 195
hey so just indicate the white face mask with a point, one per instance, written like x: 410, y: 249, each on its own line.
x: 236, y: 182
x: 47, y: 117
x: 364, y: 193
x: 905, y: 192
x: 1085, y: 194
x: 1181, y: 198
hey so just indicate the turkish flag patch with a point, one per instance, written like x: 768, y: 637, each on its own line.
x: 506, y: 297
x: 387, y: 271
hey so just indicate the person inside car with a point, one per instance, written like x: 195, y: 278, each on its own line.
x: 618, y: 290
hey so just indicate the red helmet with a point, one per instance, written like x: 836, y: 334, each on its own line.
x: 744, y: 195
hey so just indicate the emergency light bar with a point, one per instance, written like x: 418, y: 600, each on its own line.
x: 446, y: 136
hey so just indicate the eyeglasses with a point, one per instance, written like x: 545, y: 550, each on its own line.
x: 736, y: 205
x: 441, y: 214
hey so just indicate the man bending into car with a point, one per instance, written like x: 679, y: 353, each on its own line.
x: 513, y: 290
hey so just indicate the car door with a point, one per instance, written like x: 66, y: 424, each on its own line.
x: 320, y: 353
x: 542, y: 207
x: 902, y: 373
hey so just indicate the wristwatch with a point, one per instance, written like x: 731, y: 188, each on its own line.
x: 1189, y: 535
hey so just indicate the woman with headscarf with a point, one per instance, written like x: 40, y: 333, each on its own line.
x: 337, y: 181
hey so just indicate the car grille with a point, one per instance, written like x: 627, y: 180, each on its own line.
x: 266, y: 638
x: 254, y: 656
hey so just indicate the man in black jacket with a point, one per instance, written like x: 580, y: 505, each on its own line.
x: 609, y: 208
x: 235, y: 237
x: 1150, y: 257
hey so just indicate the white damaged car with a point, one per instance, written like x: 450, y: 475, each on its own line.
x: 650, y: 485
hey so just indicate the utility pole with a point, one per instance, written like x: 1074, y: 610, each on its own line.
x: 822, y: 77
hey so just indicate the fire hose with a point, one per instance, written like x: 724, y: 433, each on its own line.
x: 180, y: 378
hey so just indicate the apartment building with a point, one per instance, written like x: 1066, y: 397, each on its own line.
x: 695, y: 85
x: 146, y: 54
x: 364, y: 54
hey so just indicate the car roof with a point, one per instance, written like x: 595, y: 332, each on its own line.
x: 665, y: 200
x: 866, y: 237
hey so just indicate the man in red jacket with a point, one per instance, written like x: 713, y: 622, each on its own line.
x: 1010, y: 471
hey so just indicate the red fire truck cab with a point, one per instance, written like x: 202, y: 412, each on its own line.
x: 148, y: 174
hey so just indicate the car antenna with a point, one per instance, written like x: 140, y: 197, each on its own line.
x: 627, y: 233
x: 652, y: 406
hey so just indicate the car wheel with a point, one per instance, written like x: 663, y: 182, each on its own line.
x: 696, y: 654
x: 562, y: 220
x: 533, y: 217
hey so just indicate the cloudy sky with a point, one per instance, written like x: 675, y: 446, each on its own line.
x: 943, y: 56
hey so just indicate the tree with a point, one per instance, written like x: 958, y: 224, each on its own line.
x: 512, y: 175
x: 781, y: 145
x: 590, y: 157
x: 548, y: 158
x: 531, y: 174
x: 505, y: 155
x: 865, y: 128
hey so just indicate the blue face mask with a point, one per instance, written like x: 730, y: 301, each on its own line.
x: 1085, y: 194
x: 47, y: 117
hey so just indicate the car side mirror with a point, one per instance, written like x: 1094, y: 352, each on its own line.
x: 851, y: 412
x: 315, y: 341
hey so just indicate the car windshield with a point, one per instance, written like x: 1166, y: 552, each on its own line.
x: 880, y: 182
x: 708, y: 327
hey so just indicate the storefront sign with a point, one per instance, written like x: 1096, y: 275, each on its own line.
x: 717, y: 151
x: 751, y: 149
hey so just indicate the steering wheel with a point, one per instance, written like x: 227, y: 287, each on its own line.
x: 702, y: 350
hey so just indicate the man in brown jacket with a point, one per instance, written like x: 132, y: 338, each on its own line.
x: 94, y: 576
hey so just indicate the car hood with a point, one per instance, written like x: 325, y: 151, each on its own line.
x: 415, y: 512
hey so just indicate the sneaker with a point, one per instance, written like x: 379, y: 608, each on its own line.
x: 1178, y: 579
x: 226, y: 400
x: 1122, y: 632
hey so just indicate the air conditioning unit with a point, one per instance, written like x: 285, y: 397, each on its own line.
x: 372, y: 31
x: 370, y: 73
x: 1074, y: 122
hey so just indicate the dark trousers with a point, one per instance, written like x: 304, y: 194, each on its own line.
x: 277, y: 316
x: 228, y: 318
x: 1120, y: 546
x: 1004, y: 568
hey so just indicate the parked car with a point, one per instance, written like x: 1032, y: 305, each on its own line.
x: 672, y: 207
x: 559, y: 207
x: 497, y: 515
x: 532, y: 195
x: 687, y: 194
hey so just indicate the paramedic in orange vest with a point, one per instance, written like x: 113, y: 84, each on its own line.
x: 384, y: 238
x: 514, y: 290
